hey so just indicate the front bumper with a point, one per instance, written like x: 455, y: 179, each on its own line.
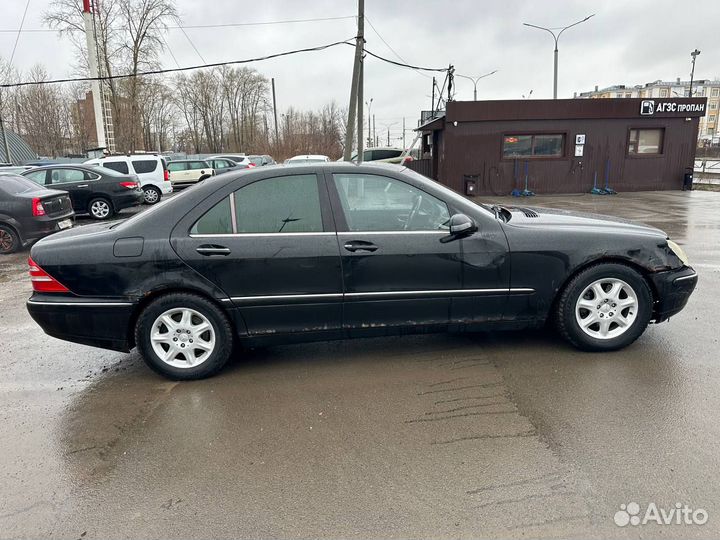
x: 96, y: 322
x: 673, y: 289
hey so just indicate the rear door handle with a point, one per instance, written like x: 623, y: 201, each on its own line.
x: 83, y: 185
x: 360, y: 245
x: 210, y: 249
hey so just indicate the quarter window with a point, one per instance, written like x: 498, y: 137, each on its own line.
x: 379, y: 203
x: 217, y: 220
x: 37, y: 177
x: 144, y: 166
x: 119, y: 166
x: 523, y: 146
x: 646, y: 141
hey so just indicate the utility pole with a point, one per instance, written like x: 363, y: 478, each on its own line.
x: 375, y: 141
x: 360, y: 109
x: 94, y: 74
x: 694, y: 55
x: 359, y: 45
x: 556, y: 37
x: 404, y: 133
x: 432, y: 103
x: 8, y: 157
x: 277, y: 139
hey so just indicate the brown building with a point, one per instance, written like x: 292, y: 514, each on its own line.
x: 489, y: 147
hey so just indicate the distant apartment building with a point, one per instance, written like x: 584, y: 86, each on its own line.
x: 709, y: 128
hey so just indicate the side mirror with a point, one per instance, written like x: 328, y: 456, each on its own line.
x: 461, y: 225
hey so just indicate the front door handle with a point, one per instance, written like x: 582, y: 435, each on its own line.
x: 211, y: 249
x: 82, y: 185
x: 360, y: 245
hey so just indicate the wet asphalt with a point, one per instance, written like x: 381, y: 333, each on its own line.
x: 491, y: 435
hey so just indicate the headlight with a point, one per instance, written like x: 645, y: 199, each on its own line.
x: 678, y: 251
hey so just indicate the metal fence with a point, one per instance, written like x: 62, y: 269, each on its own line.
x: 422, y: 166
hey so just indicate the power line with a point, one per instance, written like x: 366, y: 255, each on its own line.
x: 193, y: 45
x: 221, y: 25
x: 393, y: 50
x: 19, y: 30
x: 218, y: 64
x: 175, y: 70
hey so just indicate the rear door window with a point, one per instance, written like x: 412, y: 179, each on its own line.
x: 143, y: 166
x: 119, y: 166
x: 66, y: 176
x: 196, y: 165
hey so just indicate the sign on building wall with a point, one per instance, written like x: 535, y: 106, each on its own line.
x: 648, y: 107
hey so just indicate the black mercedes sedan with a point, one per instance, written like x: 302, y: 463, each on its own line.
x: 337, y: 250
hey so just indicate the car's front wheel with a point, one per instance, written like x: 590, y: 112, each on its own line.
x: 151, y: 194
x: 604, y: 308
x: 100, y: 209
x: 184, y: 336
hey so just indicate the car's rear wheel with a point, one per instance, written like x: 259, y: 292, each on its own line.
x: 184, y: 336
x: 9, y: 240
x: 604, y: 308
x: 100, y: 209
x: 151, y: 194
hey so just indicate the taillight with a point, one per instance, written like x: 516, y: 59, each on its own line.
x: 42, y: 281
x: 167, y: 175
x: 407, y: 159
x: 38, y: 208
x: 129, y: 185
x: 251, y: 164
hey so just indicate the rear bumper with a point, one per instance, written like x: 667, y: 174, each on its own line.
x: 673, y: 289
x: 127, y: 200
x: 95, y: 322
x: 40, y: 227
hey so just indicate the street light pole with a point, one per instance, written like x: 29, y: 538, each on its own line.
x: 369, y: 106
x: 694, y: 55
x: 556, y: 37
x: 475, y: 81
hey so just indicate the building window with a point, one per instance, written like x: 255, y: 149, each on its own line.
x: 524, y: 146
x: 715, y: 92
x: 646, y: 141
x: 711, y: 119
x: 663, y: 92
x: 713, y: 104
x: 628, y: 95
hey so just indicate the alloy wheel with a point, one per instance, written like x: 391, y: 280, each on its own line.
x: 151, y: 196
x: 182, y: 338
x: 6, y: 241
x: 100, y: 209
x: 607, y: 308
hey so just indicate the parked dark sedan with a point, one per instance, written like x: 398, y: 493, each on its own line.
x: 97, y: 191
x: 338, y: 250
x: 29, y: 212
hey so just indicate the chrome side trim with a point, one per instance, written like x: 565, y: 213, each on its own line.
x: 375, y: 233
x: 80, y: 304
x: 377, y: 294
x: 260, y: 235
x: 233, y: 216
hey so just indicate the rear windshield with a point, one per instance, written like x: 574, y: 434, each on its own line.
x: 15, y: 185
x: 144, y: 165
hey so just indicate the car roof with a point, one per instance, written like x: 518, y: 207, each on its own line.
x: 187, y: 160
x: 64, y: 166
x: 309, y: 156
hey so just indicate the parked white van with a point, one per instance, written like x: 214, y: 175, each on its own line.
x: 151, y: 170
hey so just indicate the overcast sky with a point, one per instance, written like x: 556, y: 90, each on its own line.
x: 626, y: 42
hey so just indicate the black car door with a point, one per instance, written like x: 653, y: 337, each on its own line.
x: 271, y: 246
x: 75, y: 182
x: 396, y: 271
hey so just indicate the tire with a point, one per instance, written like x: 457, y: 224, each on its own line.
x: 604, y: 308
x: 169, y: 326
x: 9, y: 240
x: 152, y: 195
x: 100, y: 209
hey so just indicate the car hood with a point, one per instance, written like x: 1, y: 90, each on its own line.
x: 555, y: 218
